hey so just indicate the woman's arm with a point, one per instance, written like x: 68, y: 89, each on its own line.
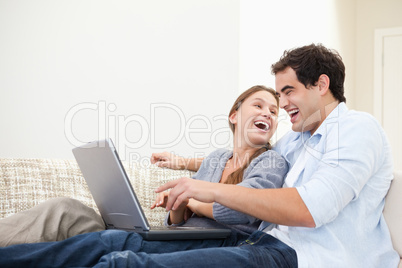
x: 173, y: 161
x: 201, y: 209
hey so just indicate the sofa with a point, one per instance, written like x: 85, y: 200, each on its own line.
x: 25, y: 183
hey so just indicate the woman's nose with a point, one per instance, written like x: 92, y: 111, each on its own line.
x: 266, y: 113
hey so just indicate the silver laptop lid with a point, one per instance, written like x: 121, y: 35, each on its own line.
x: 110, y: 186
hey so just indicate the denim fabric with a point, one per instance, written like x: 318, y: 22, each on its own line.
x: 127, y: 249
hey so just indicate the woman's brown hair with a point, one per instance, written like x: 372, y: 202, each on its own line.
x: 237, y: 176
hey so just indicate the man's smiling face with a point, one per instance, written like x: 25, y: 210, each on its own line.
x: 301, y: 103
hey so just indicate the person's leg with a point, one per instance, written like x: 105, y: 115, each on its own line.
x: 54, y: 220
x: 87, y: 249
x: 259, y: 250
x: 77, y: 251
x: 232, y: 257
x: 265, y: 248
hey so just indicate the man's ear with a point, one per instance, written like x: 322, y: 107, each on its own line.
x: 233, y: 118
x: 323, y: 84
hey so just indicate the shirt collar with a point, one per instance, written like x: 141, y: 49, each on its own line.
x: 333, y: 117
x: 339, y: 110
x: 299, y: 138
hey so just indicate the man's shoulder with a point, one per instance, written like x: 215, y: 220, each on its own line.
x: 346, y: 116
x: 348, y: 123
x: 359, y: 121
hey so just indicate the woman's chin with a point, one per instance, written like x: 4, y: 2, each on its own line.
x: 257, y: 143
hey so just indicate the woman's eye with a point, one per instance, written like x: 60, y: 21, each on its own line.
x: 273, y: 112
x: 258, y: 106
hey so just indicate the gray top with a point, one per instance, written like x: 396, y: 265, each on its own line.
x: 267, y: 170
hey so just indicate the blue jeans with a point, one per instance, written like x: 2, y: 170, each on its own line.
x: 128, y: 249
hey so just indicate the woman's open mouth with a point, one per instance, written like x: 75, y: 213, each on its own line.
x: 264, y: 126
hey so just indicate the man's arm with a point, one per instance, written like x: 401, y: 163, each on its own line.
x: 281, y: 206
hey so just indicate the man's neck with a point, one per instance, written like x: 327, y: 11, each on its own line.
x: 323, y: 113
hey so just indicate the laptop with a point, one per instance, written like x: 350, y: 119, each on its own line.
x: 116, y: 199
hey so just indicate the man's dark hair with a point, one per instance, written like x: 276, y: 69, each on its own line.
x: 309, y: 62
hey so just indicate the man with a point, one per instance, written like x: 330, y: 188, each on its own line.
x: 329, y: 212
x: 340, y: 171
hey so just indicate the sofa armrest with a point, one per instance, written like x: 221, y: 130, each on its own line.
x: 393, y: 211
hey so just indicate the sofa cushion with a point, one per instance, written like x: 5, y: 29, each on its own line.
x: 393, y: 211
x: 25, y: 183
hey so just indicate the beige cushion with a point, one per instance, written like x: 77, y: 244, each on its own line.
x: 393, y: 211
x: 25, y: 183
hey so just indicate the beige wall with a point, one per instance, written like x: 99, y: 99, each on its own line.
x: 56, y: 55
x: 148, y: 74
x: 370, y: 15
x: 345, y: 25
x: 267, y: 28
x: 345, y: 17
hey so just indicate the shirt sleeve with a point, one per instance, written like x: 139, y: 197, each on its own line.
x: 266, y: 171
x: 352, y: 155
x: 208, y: 171
x: 211, y: 166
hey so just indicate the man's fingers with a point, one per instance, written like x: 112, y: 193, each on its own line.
x: 181, y: 191
x: 173, y: 201
x: 166, y: 186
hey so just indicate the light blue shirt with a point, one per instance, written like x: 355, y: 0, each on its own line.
x: 342, y: 172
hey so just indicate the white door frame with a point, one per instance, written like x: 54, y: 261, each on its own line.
x: 379, y: 36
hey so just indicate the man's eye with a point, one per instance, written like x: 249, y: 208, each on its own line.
x: 258, y: 106
x: 273, y: 112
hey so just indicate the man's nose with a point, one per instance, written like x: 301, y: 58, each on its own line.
x: 283, y: 102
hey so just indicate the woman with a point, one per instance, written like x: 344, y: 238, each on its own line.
x: 253, y: 120
x: 251, y: 163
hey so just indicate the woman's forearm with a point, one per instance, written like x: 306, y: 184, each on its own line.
x: 176, y: 216
x: 192, y: 164
x: 201, y: 209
